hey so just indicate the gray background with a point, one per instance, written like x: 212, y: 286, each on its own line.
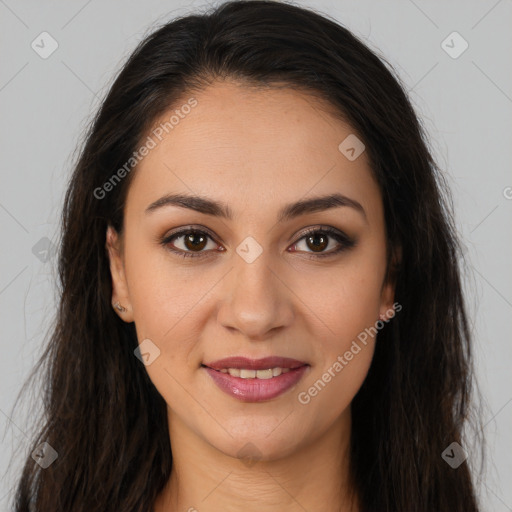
x: 465, y: 104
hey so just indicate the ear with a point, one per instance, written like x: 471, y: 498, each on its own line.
x: 387, y: 309
x: 119, y: 286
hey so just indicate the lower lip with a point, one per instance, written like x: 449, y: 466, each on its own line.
x: 256, y: 390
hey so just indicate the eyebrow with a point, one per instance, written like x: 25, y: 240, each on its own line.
x: 289, y: 211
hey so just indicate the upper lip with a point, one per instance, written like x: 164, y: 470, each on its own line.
x: 264, y: 363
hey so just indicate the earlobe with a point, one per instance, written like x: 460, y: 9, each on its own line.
x: 387, y: 309
x: 120, y: 296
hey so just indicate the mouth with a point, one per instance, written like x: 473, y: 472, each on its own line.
x: 256, y: 380
x: 264, y: 368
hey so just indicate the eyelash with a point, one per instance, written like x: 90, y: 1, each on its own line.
x: 344, y: 241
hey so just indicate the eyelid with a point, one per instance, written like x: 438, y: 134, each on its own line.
x: 342, y: 238
x: 187, y: 229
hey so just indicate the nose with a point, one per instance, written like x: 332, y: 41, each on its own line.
x: 255, y: 301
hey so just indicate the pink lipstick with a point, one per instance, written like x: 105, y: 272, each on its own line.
x: 256, y: 380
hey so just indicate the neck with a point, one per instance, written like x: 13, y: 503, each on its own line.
x: 314, y: 476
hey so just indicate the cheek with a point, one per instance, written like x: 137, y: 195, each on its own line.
x: 345, y: 303
x: 162, y: 290
x: 344, y: 343
x: 167, y: 305
x: 343, y: 300
x: 168, y: 311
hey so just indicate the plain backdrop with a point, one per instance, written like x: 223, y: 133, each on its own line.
x: 464, y: 101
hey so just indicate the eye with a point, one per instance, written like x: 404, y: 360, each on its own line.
x: 188, y: 242
x: 192, y: 242
x: 320, y: 239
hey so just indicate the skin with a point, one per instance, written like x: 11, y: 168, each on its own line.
x: 255, y: 150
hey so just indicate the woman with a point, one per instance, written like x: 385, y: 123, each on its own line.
x: 261, y: 301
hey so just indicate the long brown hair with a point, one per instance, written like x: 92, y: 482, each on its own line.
x: 102, y: 414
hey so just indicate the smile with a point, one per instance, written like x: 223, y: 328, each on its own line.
x: 256, y: 380
x: 255, y: 374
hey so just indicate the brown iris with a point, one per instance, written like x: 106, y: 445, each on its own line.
x: 195, y: 241
x: 314, y: 239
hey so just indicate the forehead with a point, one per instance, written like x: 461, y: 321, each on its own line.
x: 252, y: 148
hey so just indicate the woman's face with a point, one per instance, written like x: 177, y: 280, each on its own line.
x: 256, y: 284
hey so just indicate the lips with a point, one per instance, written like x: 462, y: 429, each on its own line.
x: 246, y: 379
x: 264, y: 363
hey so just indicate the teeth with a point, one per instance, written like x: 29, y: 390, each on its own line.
x: 246, y: 374
x: 255, y: 374
x: 264, y: 374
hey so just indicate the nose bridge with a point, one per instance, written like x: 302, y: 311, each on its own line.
x: 255, y: 301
